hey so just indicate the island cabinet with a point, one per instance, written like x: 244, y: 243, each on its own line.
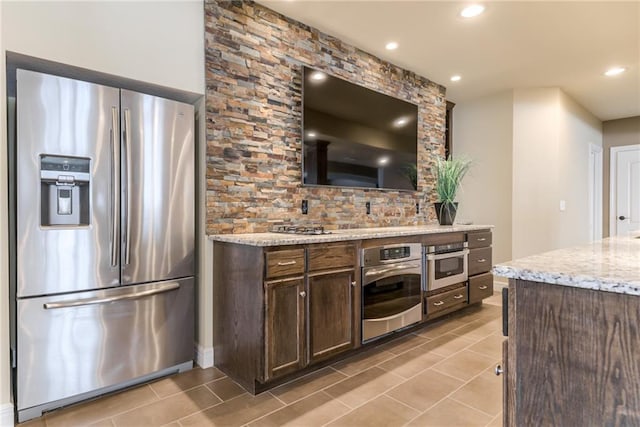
x: 571, y: 357
x: 278, y: 310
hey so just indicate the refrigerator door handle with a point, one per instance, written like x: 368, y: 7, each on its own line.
x: 108, y: 300
x: 127, y: 147
x: 115, y: 190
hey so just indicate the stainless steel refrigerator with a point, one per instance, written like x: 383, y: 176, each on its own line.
x: 104, y: 240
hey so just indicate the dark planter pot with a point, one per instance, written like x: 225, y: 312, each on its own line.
x: 446, y: 212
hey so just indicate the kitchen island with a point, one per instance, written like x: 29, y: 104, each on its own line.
x: 571, y: 357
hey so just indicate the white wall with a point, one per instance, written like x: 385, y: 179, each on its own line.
x: 578, y: 129
x: 158, y: 42
x: 530, y: 149
x: 5, y: 384
x: 482, y: 132
x: 551, y: 136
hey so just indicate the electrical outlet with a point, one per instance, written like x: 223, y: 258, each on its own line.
x: 305, y: 207
x: 368, y: 207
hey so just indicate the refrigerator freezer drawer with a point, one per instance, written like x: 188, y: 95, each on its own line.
x: 76, y: 343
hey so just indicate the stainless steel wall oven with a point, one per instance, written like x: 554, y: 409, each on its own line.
x: 391, y: 288
x: 445, y: 265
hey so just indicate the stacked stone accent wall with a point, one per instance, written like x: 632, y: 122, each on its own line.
x: 254, y: 60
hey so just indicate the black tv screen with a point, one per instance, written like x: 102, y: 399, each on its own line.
x: 356, y: 137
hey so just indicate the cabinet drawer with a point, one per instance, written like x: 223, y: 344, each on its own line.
x: 445, y: 300
x: 479, y: 261
x: 331, y: 257
x: 284, y: 263
x: 479, y: 240
x: 480, y: 287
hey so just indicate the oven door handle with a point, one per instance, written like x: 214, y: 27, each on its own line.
x: 435, y: 257
x: 390, y: 269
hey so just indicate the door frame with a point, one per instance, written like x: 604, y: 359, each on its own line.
x: 613, y: 185
x: 595, y: 192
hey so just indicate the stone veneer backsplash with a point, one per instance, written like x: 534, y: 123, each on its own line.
x: 254, y: 60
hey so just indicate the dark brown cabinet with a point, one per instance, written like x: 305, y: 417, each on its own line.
x: 480, y: 264
x: 279, y: 309
x: 284, y: 326
x: 331, y: 305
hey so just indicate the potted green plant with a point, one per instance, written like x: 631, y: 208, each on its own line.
x: 449, y: 174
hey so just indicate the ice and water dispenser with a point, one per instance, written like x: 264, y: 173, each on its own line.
x: 65, y: 186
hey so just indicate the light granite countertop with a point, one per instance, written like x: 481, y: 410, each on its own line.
x: 611, y: 265
x: 278, y: 239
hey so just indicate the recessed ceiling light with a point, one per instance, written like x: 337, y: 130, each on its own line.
x: 318, y: 76
x: 391, y: 46
x: 383, y: 160
x: 455, y: 78
x: 472, y: 11
x: 400, y: 122
x: 614, y: 71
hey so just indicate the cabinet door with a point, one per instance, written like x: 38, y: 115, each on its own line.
x: 284, y: 326
x: 330, y: 313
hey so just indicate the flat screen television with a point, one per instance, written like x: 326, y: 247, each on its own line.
x: 356, y: 137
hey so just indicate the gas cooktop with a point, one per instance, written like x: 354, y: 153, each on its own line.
x: 300, y: 229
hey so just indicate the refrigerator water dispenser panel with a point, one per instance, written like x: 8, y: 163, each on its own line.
x: 65, y: 186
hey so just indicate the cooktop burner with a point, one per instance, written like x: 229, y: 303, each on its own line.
x: 300, y: 229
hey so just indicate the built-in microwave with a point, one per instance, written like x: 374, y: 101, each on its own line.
x: 445, y: 265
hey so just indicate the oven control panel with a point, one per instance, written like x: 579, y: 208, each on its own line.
x: 395, y: 253
x: 390, y: 253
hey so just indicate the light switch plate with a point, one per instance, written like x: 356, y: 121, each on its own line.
x: 563, y: 205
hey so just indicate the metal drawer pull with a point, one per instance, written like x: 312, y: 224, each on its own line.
x: 499, y: 370
x: 481, y: 260
x: 107, y: 300
x: 438, y: 303
x: 282, y: 264
x: 482, y: 288
x: 303, y: 294
x: 458, y: 296
x: 481, y: 239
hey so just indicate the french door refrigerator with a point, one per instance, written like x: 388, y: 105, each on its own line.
x: 104, y: 240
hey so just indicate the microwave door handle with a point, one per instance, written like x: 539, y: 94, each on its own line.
x: 115, y: 186
x: 436, y: 257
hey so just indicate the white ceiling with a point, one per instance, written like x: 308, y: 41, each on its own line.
x: 512, y: 45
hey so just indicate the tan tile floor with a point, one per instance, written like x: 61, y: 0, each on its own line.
x: 441, y: 375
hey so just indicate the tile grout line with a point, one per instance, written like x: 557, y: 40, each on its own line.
x: 473, y: 407
x: 402, y: 403
x: 81, y: 403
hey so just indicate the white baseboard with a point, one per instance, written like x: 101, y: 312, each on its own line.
x: 500, y: 282
x: 6, y: 415
x: 204, y: 356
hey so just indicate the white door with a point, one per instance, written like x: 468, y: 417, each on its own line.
x: 625, y: 190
